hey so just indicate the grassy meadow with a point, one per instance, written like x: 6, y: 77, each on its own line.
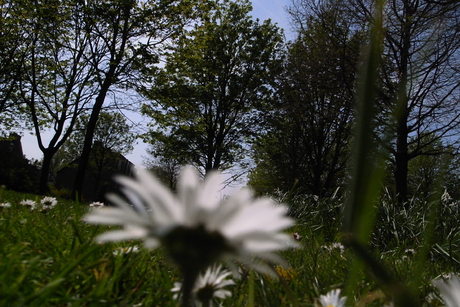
x: 377, y: 251
x: 49, y: 258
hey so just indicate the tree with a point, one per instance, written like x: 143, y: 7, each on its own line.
x: 306, y: 144
x: 112, y: 132
x: 427, y: 173
x: 452, y: 182
x: 418, y: 102
x: 205, y: 102
x: 166, y: 170
x: 14, y: 39
x: 124, y: 36
x: 112, y: 138
x: 53, y: 83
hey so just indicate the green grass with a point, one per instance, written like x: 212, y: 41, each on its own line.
x: 50, y: 259
x: 393, y: 252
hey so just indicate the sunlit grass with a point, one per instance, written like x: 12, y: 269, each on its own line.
x: 50, y: 259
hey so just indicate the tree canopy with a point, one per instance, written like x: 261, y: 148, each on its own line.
x: 217, y: 77
x: 305, y: 146
x: 220, y: 86
x: 418, y: 100
x: 125, y: 37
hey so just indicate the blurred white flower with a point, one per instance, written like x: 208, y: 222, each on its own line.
x: 5, y: 205
x: 409, y: 251
x: 208, y: 286
x: 48, y: 202
x: 332, y: 299
x: 96, y: 204
x: 28, y: 202
x: 432, y: 299
x: 450, y: 290
x: 125, y: 250
x: 445, y: 197
x: 447, y: 275
x: 195, y: 226
x: 336, y: 246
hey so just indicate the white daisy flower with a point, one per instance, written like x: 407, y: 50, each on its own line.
x: 447, y: 275
x: 5, y: 205
x: 208, y: 286
x: 445, y: 197
x: 450, y: 290
x: 96, y: 204
x: 409, y: 251
x: 336, y: 246
x: 332, y: 299
x: 28, y: 202
x: 195, y: 226
x: 48, y: 202
x: 125, y: 250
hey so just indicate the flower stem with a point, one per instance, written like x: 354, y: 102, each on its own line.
x: 190, y: 277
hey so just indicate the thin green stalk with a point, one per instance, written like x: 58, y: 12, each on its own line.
x: 366, y: 172
x: 188, y: 284
x: 251, y: 289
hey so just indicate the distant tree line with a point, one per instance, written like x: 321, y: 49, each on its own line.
x: 307, y: 144
x: 220, y: 87
x: 67, y: 57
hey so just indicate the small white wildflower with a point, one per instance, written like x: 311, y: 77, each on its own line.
x: 432, y: 299
x: 447, y: 275
x: 96, y: 204
x: 48, y: 202
x: 125, y: 250
x: 28, y: 202
x: 410, y: 251
x: 450, y: 290
x: 208, y: 286
x: 332, y: 299
x: 339, y: 246
x: 445, y: 197
x: 334, y: 246
x: 5, y: 205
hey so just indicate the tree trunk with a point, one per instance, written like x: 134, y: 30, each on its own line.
x: 401, y: 161
x: 43, y: 184
x: 86, y: 152
x: 403, y: 107
x: 120, y: 38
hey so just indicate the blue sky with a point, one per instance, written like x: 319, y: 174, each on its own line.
x: 262, y: 9
x: 274, y: 10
